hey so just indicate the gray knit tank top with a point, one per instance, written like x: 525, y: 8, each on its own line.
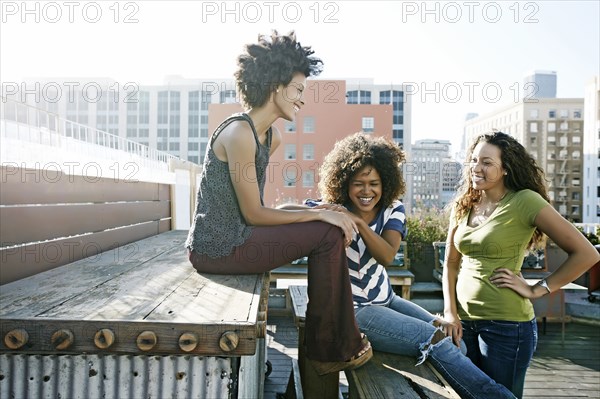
x: 218, y: 225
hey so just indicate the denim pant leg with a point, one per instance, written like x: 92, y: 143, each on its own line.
x: 391, y: 330
x: 502, y: 349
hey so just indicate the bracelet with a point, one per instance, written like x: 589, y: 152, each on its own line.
x: 543, y: 283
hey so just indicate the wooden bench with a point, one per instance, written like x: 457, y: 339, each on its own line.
x: 133, y: 318
x: 397, y: 271
x: 385, y: 376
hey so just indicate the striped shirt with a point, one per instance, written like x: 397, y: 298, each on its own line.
x: 370, y: 282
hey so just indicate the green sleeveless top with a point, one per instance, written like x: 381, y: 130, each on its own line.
x: 218, y: 225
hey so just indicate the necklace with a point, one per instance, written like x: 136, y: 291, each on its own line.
x: 480, y: 210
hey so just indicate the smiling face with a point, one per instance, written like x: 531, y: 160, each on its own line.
x: 365, y: 190
x: 486, y: 167
x: 288, y: 99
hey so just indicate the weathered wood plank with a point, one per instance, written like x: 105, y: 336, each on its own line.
x: 40, y: 332
x: 393, y: 376
x: 25, y: 224
x: 28, y: 260
x: 206, y: 298
x: 28, y: 186
x: 48, y: 289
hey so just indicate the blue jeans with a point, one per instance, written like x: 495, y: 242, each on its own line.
x: 405, y: 328
x: 502, y: 349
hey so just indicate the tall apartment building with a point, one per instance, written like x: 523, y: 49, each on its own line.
x: 434, y: 174
x: 364, y: 91
x: 325, y: 118
x: 540, y: 84
x: 591, y: 155
x: 552, y: 131
x: 179, y: 116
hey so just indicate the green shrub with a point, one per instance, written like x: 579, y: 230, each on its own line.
x: 424, y: 227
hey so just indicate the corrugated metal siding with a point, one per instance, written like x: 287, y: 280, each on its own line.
x: 113, y: 376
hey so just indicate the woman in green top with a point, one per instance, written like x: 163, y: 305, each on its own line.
x: 501, y: 209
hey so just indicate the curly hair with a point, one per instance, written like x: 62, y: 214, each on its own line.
x: 352, y: 154
x: 272, y: 61
x: 522, y: 173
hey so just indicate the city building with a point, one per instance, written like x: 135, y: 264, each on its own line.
x: 325, y: 118
x: 179, y: 115
x: 552, y: 131
x: 434, y: 174
x: 539, y: 84
x: 591, y: 154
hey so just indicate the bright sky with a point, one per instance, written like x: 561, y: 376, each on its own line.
x: 466, y: 56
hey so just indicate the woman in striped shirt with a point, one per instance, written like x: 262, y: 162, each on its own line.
x: 362, y: 178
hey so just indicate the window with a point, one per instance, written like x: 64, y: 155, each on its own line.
x: 551, y: 139
x: 551, y: 127
x: 352, y: 97
x: 309, y: 152
x: 564, y: 126
x: 290, y: 151
x: 173, y: 146
x: 398, y: 119
x: 193, y: 158
x: 365, y: 97
x: 289, y: 176
x: 576, y: 113
x: 533, y: 140
x: 192, y: 146
x: 131, y: 132
x: 368, y: 124
x: 564, y: 113
x: 575, y: 209
x: 576, y: 155
x: 552, y: 113
x: 228, y: 97
x: 576, y: 140
x: 534, y: 114
x: 144, y: 132
x: 308, y: 178
x: 533, y: 127
x: 576, y: 182
x: 309, y: 124
x: 290, y: 126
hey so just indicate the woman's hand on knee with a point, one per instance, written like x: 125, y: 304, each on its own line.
x: 452, y: 327
x: 342, y: 221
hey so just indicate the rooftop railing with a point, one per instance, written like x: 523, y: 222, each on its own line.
x: 28, y: 123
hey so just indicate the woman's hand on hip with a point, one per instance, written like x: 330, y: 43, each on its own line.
x: 506, y: 278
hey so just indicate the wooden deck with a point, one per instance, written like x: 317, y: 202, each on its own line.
x: 571, y: 370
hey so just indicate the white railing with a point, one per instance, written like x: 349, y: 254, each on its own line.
x: 27, y: 123
x: 588, y: 227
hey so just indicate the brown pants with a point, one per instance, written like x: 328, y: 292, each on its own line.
x: 331, y: 330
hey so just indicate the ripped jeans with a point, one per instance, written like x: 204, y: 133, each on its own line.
x: 405, y: 328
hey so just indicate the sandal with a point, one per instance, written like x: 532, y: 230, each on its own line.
x: 364, y: 355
